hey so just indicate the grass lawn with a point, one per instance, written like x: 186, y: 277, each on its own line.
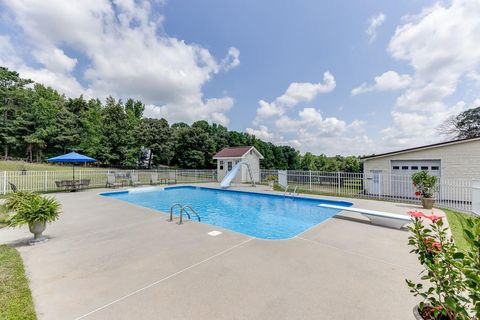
x: 456, y: 221
x: 19, y: 165
x: 15, y: 296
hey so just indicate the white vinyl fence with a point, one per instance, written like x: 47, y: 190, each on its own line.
x: 44, y: 181
x: 451, y: 193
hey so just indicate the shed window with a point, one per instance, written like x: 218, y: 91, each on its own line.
x: 435, y: 168
x: 414, y: 167
x: 424, y: 167
x: 404, y: 167
x: 221, y: 164
x: 396, y: 168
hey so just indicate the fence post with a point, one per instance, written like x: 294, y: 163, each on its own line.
x: 338, y: 181
x: 310, y: 180
x: 4, y: 182
x: 46, y: 181
x: 475, y: 186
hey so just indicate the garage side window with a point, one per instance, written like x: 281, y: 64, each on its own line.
x: 221, y: 164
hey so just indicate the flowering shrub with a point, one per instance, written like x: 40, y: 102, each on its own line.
x: 424, y: 183
x: 451, y: 278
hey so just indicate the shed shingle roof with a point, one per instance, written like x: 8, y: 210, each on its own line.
x: 235, y: 152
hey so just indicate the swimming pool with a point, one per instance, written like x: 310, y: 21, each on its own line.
x: 265, y: 216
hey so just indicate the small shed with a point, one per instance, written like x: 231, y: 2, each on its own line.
x: 227, y: 158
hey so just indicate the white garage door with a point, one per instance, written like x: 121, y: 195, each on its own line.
x: 403, y: 169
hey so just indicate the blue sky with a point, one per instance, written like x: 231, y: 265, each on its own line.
x: 339, y: 77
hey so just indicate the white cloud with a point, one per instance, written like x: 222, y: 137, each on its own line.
x: 296, y: 93
x: 374, y: 22
x: 442, y: 46
x: 307, y: 129
x: 389, y: 80
x: 128, y: 55
x: 262, y: 133
x: 310, y: 118
x: 232, y: 59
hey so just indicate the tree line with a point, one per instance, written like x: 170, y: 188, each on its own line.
x: 38, y: 122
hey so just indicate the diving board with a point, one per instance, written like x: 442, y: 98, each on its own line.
x: 387, y: 219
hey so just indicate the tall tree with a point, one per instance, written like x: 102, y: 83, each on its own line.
x: 156, y: 135
x: 463, y: 126
x: 14, y: 94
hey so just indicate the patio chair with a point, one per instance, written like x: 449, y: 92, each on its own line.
x: 172, y: 178
x: 134, y: 180
x: 112, y: 181
x: 154, y: 178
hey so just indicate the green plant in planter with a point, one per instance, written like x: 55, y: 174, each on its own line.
x: 32, y: 209
x: 451, y: 284
x: 424, y: 183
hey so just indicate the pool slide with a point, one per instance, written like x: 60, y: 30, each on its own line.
x: 227, y: 180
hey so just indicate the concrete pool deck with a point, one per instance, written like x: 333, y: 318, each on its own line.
x: 108, y: 259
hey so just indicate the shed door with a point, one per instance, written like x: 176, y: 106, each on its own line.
x: 402, y: 171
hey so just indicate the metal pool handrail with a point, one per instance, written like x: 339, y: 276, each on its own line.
x: 184, y: 209
x: 171, y: 210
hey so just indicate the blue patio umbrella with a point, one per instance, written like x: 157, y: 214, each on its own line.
x: 73, y: 158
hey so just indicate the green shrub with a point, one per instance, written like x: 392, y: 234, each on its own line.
x: 27, y: 207
x: 452, y: 276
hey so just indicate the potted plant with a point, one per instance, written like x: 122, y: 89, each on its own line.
x: 32, y: 209
x: 425, y: 185
x: 450, y: 278
x: 271, y: 181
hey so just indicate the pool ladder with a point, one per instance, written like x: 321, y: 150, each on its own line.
x: 183, y: 208
x: 291, y: 193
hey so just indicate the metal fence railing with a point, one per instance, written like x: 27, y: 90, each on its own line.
x: 44, y: 181
x: 451, y: 193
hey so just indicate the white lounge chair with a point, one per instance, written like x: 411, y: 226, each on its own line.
x: 172, y: 178
x: 154, y: 178
x: 112, y: 181
x: 387, y: 219
x: 134, y: 180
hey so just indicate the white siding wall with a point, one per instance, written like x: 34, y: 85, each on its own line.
x: 458, y: 161
x: 461, y: 160
x: 243, y: 176
x: 254, y: 161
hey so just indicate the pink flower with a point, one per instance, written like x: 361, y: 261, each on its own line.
x: 416, y: 214
x: 433, y: 217
x: 438, y: 308
x: 436, y: 245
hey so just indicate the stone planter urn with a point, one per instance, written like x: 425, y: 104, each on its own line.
x: 37, y: 229
x: 427, y: 203
x: 270, y: 184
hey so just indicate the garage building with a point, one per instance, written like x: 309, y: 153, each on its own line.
x: 389, y: 173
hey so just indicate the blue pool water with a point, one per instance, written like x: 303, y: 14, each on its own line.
x: 258, y: 215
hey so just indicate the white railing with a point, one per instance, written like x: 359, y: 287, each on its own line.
x: 45, y: 181
x: 452, y: 193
